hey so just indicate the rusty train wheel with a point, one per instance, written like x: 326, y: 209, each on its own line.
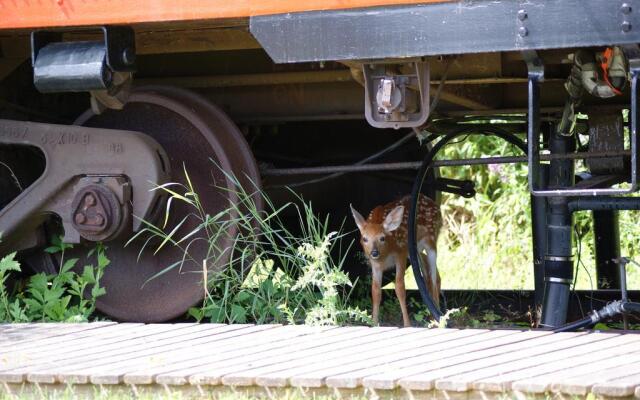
x: 193, y: 133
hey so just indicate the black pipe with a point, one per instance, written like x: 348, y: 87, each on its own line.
x: 574, y: 326
x: 558, y: 263
x: 606, y: 240
x: 604, y: 203
x: 539, y: 234
x: 630, y: 307
x: 432, y: 304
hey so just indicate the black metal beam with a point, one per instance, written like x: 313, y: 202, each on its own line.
x: 453, y: 27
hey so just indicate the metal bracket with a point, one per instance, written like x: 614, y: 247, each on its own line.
x: 396, y: 95
x: 119, y: 42
x: 78, y: 158
x: 76, y: 66
x: 535, y: 76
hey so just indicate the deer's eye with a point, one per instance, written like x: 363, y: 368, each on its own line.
x: 382, y: 239
x: 364, y: 239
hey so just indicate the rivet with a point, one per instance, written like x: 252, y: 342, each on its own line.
x: 90, y: 201
x: 80, y: 218
x: 522, y: 31
x: 626, y: 26
x: 626, y: 8
x: 522, y: 15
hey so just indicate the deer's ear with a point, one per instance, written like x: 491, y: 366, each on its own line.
x: 393, y: 220
x: 360, y: 221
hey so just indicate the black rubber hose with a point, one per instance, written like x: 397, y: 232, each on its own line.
x: 582, y: 323
x: 630, y: 307
x: 417, y: 189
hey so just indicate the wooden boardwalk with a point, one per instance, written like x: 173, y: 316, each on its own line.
x: 392, y: 362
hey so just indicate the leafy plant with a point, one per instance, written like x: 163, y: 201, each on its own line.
x: 63, y: 297
x: 268, y: 274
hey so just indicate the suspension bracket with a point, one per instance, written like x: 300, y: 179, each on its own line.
x: 89, y: 181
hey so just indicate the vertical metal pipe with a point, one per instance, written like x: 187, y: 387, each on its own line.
x: 622, y: 271
x: 606, y: 237
x: 558, y: 264
x: 539, y: 234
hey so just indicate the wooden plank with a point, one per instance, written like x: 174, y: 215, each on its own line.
x: 357, y: 360
x: 248, y: 376
x: 114, y: 372
x: 457, y: 363
x: 622, y: 387
x: 174, y: 371
x: 560, y: 381
x: 556, y: 361
x: 42, y: 14
x: 429, y: 354
x: 581, y: 380
x: 55, y: 371
x: 424, y: 381
x: 421, y: 359
x: 214, y: 374
x: 56, y: 343
x: 108, y: 370
x: 38, y: 360
x: 196, y: 40
x: 311, y: 372
x: 214, y: 366
x: 47, y: 332
x: 462, y: 379
x: 43, y: 350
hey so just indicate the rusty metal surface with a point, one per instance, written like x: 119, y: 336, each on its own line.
x: 97, y: 212
x: 606, y: 133
x: 194, y: 133
x: 71, y: 154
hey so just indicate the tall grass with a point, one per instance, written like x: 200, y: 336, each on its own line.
x: 268, y: 273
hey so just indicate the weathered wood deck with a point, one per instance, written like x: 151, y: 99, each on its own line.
x: 408, y: 362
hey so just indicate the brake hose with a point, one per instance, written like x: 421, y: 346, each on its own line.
x: 614, y: 308
x: 417, y: 189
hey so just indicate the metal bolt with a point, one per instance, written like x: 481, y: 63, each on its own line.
x: 626, y: 8
x: 522, y: 31
x: 522, y: 15
x: 128, y: 56
x: 80, y: 218
x: 626, y: 26
x: 90, y: 200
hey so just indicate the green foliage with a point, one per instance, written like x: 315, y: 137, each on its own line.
x: 63, y: 297
x: 269, y: 274
x: 485, y: 242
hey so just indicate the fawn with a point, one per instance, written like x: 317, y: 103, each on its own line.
x: 385, y: 239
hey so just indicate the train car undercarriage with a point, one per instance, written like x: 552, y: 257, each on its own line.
x: 83, y: 139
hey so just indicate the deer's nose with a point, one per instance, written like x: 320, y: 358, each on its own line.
x: 375, y: 253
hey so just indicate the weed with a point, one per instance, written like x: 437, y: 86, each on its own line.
x: 63, y: 297
x: 269, y: 274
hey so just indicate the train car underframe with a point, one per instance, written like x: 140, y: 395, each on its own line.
x: 410, y: 68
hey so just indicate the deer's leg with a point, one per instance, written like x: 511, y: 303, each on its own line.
x: 401, y: 292
x: 376, y: 294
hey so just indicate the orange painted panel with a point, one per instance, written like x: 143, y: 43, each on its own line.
x: 50, y: 13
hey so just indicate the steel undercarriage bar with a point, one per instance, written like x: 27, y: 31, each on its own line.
x: 438, y: 163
